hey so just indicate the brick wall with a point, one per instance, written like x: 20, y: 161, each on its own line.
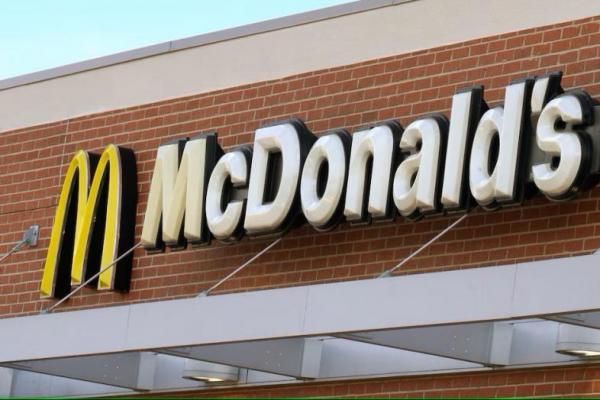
x: 33, y: 162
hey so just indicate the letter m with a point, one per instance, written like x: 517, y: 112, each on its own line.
x: 94, y: 223
x: 177, y: 190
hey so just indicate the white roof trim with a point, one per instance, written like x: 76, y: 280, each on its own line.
x: 201, y: 40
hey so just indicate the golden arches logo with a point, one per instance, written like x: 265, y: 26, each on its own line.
x: 94, y: 223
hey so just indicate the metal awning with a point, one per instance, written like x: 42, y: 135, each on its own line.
x: 480, y: 318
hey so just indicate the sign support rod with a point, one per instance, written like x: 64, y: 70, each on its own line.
x: 97, y: 274
x: 390, y: 271
x: 30, y: 238
x: 205, y: 293
x: 16, y: 248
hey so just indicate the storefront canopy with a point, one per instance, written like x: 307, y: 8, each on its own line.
x: 505, y: 316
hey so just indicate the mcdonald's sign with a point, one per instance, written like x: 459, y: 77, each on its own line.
x: 94, y: 223
x: 542, y: 139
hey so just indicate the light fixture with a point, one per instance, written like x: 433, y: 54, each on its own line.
x: 210, y: 372
x: 581, y: 353
x: 578, y: 341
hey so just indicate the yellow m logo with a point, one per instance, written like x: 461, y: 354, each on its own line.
x: 94, y: 223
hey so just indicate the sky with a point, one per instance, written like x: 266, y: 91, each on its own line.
x: 41, y: 34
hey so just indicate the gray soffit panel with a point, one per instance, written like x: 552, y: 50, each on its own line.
x: 521, y: 343
x: 296, y: 357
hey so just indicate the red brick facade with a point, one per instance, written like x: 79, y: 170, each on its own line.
x: 549, y: 382
x: 33, y: 162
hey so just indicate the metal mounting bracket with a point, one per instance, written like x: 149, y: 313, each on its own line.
x: 31, y: 235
